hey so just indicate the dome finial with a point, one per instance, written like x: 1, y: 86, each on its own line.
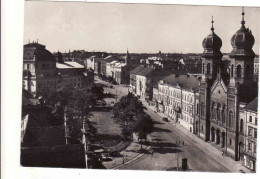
x: 212, y: 22
x: 243, y: 14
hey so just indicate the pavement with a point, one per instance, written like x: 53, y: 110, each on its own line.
x: 128, y: 156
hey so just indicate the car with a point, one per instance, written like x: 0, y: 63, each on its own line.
x: 165, y: 119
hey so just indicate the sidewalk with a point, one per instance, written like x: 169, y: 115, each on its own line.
x: 208, y: 148
x: 130, y: 153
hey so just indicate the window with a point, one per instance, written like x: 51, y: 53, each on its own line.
x: 256, y: 121
x: 250, y: 131
x: 230, y: 119
x: 250, y: 118
x: 202, y: 109
x: 255, y: 133
x: 249, y: 146
x: 232, y: 69
x: 223, y: 115
x: 208, y: 69
x: 28, y: 66
x: 201, y: 128
x: 241, y: 125
x: 230, y: 141
x: 197, y: 108
x: 238, y: 71
x: 203, y: 68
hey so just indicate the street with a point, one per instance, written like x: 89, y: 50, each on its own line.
x: 167, y: 145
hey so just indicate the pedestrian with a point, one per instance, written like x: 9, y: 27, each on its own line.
x: 222, y: 152
x: 152, y: 153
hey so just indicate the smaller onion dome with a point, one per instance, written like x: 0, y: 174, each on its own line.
x: 242, y: 41
x: 212, y: 43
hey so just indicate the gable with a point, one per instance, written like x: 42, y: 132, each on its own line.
x: 218, y: 90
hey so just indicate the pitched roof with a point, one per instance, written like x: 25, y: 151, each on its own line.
x: 69, y: 65
x: 137, y: 69
x: 145, y: 71
x: 253, y: 105
x: 185, y: 81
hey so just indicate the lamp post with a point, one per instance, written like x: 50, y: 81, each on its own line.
x: 177, y: 141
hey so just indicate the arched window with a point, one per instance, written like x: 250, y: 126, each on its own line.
x: 232, y: 70
x: 238, y: 71
x: 241, y: 125
x: 197, y: 108
x: 223, y: 115
x: 212, y: 110
x: 230, y: 119
x: 203, y: 68
x: 218, y: 112
x: 202, y: 109
x: 208, y: 68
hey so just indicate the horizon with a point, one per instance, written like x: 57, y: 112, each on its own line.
x: 140, y: 28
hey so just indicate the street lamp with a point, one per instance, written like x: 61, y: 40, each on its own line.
x: 177, y: 141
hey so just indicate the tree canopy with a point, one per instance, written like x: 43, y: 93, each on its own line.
x: 129, y: 113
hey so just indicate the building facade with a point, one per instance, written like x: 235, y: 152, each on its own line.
x: 248, y: 120
x: 43, y: 74
x: 223, y: 88
x: 176, y: 98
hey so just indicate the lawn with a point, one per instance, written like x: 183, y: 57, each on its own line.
x: 104, y: 123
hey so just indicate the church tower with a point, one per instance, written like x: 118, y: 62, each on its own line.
x: 211, y: 59
x: 242, y: 87
x: 242, y: 56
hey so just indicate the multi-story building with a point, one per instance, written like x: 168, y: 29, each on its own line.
x: 176, y: 98
x: 223, y: 88
x: 90, y: 62
x: 42, y: 74
x: 133, y: 77
x: 147, y: 78
x: 248, y: 120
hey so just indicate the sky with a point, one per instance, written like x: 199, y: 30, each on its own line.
x: 140, y: 28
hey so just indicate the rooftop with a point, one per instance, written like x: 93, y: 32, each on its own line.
x: 66, y: 65
x: 145, y: 71
x: 137, y: 69
x: 253, y: 105
x: 186, y: 81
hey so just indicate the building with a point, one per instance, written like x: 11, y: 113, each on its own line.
x: 223, y: 88
x: 39, y: 67
x: 133, y: 77
x: 248, y: 125
x: 73, y: 75
x: 90, y: 62
x: 147, y: 78
x: 121, y: 70
x: 176, y: 98
x: 43, y: 73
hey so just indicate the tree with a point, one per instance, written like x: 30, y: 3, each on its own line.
x: 127, y: 109
x: 143, y: 126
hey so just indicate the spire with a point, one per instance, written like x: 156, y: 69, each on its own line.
x: 212, y: 22
x: 243, y: 20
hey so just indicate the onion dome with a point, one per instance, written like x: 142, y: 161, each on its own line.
x: 242, y: 41
x: 212, y: 43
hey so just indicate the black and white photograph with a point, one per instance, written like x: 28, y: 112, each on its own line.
x: 131, y: 86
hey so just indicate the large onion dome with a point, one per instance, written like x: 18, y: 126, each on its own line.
x: 212, y: 43
x: 242, y: 41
